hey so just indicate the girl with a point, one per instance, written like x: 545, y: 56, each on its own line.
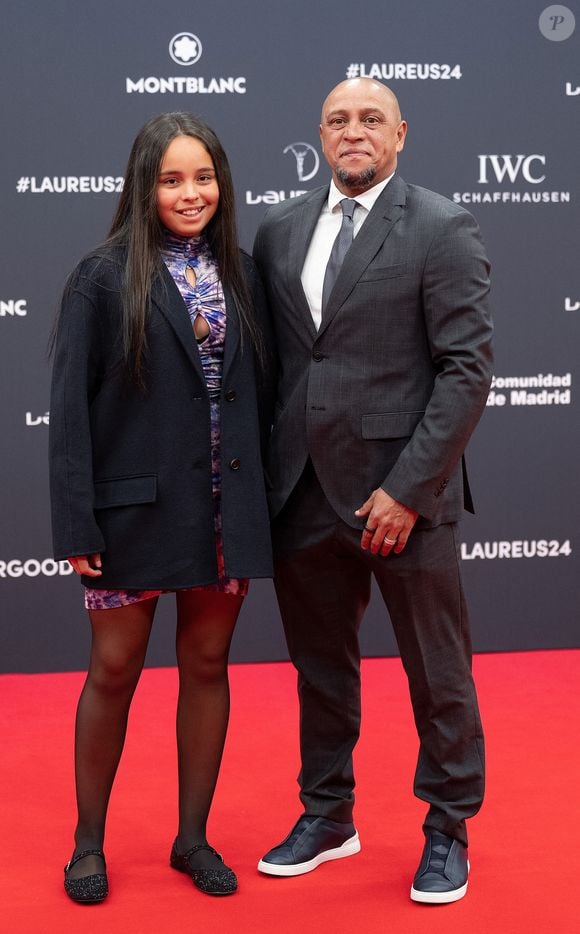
x: 159, y: 407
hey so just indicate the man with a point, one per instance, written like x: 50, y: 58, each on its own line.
x: 379, y: 303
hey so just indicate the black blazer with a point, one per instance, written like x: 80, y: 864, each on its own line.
x: 130, y: 469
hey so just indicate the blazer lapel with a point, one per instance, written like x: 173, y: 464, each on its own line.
x: 168, y: 300
x: 232, y: 332
x: 304, y: 220
x: 385, y: 213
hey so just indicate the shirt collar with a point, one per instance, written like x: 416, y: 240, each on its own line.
x: 366, y: 199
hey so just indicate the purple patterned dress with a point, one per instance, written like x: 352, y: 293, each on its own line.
x: 205, y: 299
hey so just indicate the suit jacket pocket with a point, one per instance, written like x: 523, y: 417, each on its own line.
x: 387, y: 425
x: 125, y: 491
x: 374, y: 273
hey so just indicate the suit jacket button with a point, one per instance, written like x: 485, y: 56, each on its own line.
x: 230, y: 395
x: 317, y: 356
x: 235, y: 463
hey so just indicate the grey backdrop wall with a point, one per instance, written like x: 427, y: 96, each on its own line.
x: 491, y: 91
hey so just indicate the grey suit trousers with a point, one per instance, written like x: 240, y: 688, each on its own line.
x: 322, y: 580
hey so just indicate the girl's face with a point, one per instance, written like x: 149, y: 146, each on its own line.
x: 187, y: 189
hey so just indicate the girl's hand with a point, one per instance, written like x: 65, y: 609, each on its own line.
x: 90, y: 565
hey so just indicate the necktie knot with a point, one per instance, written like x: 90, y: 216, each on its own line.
x: 348, y: 205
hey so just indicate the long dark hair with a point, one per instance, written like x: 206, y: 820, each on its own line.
x: 137, y: 227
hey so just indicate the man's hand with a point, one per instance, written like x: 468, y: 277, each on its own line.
x: 90, y: 565
x: 388, y: 523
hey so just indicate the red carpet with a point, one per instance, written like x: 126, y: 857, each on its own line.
x: 524, y: 850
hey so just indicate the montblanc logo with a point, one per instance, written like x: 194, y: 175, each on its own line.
x: 304, y: 154
x: 185, y: 49
x: 505, y: 169
x: 13, y: 307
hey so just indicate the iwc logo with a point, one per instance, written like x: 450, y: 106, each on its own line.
x: 185, y: 49
x: 512, y: 172
x: 306, y: 158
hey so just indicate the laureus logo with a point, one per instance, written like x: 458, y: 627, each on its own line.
x: 185, y: 49
x: 306, y: 159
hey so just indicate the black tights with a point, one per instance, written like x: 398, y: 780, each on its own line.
x: 205, y: 625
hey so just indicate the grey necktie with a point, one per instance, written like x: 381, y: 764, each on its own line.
x: 339, y: 249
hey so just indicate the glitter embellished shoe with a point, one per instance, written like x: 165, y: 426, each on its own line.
x: 210, y: 881
x: 87, y: 889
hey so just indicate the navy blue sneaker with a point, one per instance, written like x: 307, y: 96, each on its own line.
x: 442, y: 873
x: 312, y: 841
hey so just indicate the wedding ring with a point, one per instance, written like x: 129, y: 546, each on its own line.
x: 372, y: 531
x: 390, y: 541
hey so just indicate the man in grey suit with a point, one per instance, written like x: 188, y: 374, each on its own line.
x: 378, y: 291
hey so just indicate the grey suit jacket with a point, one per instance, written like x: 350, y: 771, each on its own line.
x: 389, y: 390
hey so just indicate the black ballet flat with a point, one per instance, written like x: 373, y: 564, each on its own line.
x: 88, y: 889
x: 210, y: 881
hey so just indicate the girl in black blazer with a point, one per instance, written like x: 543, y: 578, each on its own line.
x: 160, y: 403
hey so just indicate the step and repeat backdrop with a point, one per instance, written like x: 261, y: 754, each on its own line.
x: 491, y: 92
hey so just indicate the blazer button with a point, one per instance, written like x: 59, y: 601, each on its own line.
x: 235, y: 463
x: 230, y: 395
x: 317, y: 356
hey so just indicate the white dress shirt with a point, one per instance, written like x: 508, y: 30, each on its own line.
x: 325, y: 233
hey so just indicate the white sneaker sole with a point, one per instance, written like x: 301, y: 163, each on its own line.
x: 439, y: 898
x: 348, y: 848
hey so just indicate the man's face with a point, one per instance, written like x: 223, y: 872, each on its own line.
x: 361, y: 133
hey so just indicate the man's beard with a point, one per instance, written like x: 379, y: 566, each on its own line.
x: 362, y: 179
